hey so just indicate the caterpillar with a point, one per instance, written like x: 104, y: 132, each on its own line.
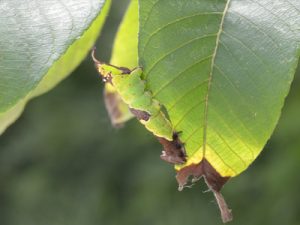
x: 144, y: 107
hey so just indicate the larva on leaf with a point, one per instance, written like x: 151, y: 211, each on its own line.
x: 131, y: 88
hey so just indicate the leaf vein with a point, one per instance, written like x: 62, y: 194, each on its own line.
x: 210, y: 76
x: 176, y: 49
x: 276, y: 16
x: 256, y: 27
x: 224, y: 161
x: 176, y: 76
x: 238, y: 64
x: 234, y: 133
x: 234, y: 86
x: 174, y: 22
x: 293, y: 5
x: 150, y: 12
x: 249, y: 50
x: 186, y: 113
x: 193, y: 133
x: 185, y: 94
x: 228, y: 146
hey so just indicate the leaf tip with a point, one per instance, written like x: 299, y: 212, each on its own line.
x: 213, y: 180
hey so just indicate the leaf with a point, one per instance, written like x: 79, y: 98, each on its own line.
x: 125, y: 52
x: 222, y: 69
x: 36, y: 54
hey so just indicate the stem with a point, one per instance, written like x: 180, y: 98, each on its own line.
x: 225, y: 211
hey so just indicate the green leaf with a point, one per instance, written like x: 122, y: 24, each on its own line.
x: 222, y: 69
x: 41, y: 47
x: 125, y: 52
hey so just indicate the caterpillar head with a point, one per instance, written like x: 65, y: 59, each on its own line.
x: 107, y: 70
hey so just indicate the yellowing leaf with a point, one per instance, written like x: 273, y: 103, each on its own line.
x: 125, y: 52
x: 222, y: 69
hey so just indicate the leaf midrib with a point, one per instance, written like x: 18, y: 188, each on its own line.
x: 205, y: 123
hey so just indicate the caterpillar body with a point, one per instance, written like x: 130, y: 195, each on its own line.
x: 131, y: 88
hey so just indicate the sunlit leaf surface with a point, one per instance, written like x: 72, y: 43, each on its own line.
x: 222, y: 69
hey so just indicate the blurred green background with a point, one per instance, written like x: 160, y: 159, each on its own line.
x: 62, y: 163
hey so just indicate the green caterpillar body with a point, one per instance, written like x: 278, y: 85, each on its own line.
x: 131, y: 88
